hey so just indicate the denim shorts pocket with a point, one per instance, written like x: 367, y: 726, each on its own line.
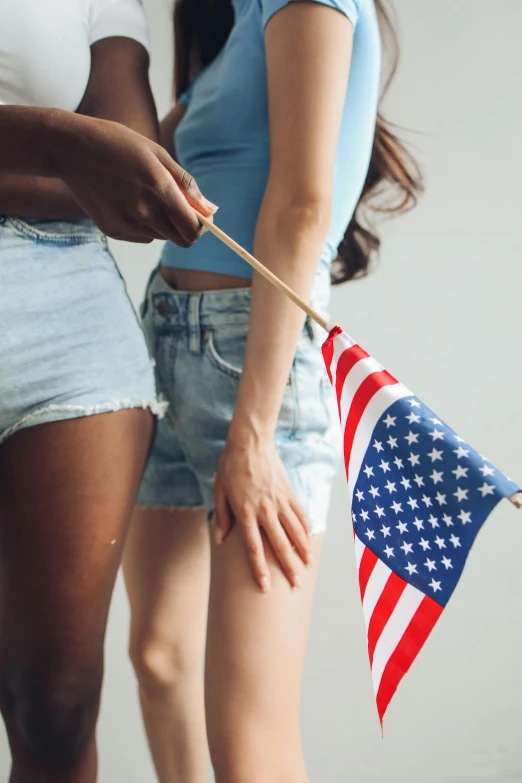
x: 226, y: 350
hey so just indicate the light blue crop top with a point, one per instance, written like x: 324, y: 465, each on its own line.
x: 223, y: 139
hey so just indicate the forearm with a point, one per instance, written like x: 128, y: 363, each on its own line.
x: 30, y: 139
x: 289, y: 241
x: 39, y: 197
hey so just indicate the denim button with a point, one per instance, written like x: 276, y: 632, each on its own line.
x: 163, y: 307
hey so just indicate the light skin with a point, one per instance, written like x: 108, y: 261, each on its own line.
x: 257, y: 618
x: 67, y: 488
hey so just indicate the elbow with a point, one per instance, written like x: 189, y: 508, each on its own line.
x: 307, y: 218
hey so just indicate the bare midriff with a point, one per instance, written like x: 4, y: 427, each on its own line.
x: 191, y: 280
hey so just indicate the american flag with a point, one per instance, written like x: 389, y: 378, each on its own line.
x: 419, y: 496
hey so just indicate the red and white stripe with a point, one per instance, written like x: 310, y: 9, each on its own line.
x: 364, y: 390
x: 398, y: 617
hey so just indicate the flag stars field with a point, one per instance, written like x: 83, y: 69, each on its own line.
x: 451, y: 488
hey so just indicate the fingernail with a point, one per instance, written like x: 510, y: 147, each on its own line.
x: 218, y: 536
x: 298, y: 582
x: 265, y: 584
x: 310, y: 560
x: 209, y: 205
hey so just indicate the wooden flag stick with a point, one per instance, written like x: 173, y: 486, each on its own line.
x: 516, y: 499
x: 258, y: 266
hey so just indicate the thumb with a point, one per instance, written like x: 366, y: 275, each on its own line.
x: 188, y: 186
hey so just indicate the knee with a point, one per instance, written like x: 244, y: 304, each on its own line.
x: 52, y: 713
x: 162, y: 666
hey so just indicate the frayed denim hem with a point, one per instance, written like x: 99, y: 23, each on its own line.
x: 51, y: 413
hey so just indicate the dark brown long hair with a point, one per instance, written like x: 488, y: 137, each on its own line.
x: 393, y: 182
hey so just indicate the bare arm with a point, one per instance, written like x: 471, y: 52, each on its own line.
x: 308, y: 55
x: 125, y: 97
x: 308, y: 49
x: 127, y: 184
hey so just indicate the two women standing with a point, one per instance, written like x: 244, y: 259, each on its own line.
x: 276, y: 117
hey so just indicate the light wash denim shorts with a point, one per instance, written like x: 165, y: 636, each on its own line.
x: 70, y: 342
x: 198, y: 341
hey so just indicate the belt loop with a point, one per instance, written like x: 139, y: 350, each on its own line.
x: 194, y: 323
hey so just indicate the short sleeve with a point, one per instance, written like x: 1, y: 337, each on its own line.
x: 349, y: 8
x: 118, y: 18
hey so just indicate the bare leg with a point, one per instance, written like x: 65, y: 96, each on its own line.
x: 255, y: 654
x: 167, y: 571
x: 66, y: 494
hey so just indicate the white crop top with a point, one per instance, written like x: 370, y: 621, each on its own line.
x: 45, y: 57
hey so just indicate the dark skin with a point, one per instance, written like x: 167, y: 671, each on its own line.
x: 127, y: 62
x: 102, y: 161
x: 66, y: 493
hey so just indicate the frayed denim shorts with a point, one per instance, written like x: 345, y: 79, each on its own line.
x: 70, y: 341
x: 198, y: 341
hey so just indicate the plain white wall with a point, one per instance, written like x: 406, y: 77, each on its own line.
x: 443, y: 313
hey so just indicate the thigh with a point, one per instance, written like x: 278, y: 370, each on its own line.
x: 255, y: 654
x: 66, y: 493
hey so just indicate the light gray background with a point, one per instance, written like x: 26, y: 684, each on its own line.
x: 443, y: 313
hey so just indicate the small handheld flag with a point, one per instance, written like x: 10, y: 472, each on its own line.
x: 419, y: 495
